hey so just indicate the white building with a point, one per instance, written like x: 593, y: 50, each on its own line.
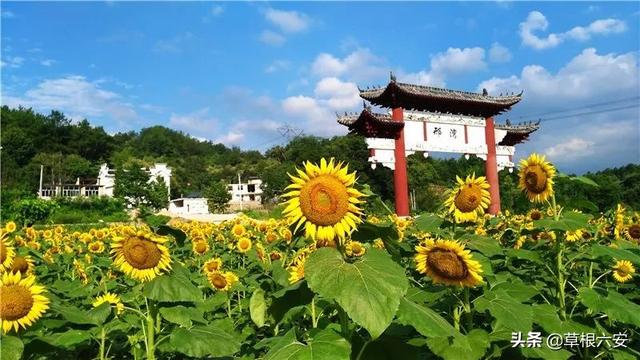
x: 246, y: 195
x: 103, y: 185
x: 189, y: 206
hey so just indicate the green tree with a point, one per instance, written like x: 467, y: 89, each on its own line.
x: 217, y: 196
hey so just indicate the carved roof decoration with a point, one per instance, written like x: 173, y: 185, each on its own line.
x: 433, y: 99
x: 371, y: 124
x: 518, y: 133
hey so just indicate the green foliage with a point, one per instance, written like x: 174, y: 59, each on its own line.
x: 369, y: 290
x: 134, y: 187
x: 32, y: 211
x: 323, y: 345
x: 217, y: 196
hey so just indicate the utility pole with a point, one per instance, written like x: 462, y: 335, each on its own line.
x: 240, y: 189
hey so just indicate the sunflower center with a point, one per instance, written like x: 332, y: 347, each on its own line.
x: 19, y: 264
x: 536, y: 215
x: 3, y: 252
x: 447, y: 264
x: 324, y: 200
x: 219, y: 281
x: 141, y: 254
x: 468, y: 198
x: 536, y: 179
x: 634, y: 231
x: 16, y: 302
x: 201, y: 247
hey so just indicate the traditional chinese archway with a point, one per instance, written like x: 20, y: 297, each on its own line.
x: 438, y: 120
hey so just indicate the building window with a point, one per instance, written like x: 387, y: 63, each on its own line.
x: 70, y: 191
x: 91, y: 191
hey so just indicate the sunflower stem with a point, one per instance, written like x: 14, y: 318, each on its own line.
x: 102, y: 343
x: 314, y: 321
x: 561, y: 281
x: 229, y: 305
x: 151, y: 319
x: 467, y: 308
x: 364, y: 346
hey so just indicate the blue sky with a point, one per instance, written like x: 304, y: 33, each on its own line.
x: 236, y: 72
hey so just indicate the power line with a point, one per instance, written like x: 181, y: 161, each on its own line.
x: 591, y: 112
x: 580, y: 108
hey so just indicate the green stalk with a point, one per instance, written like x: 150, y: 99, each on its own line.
x: 314, y: 321
x: 152, y: 311
x: 229, y: 305
x: 364, y: 346
x: 456, y: 317
x: 467, y: 308
x: 102, y: 344
x: 559, y: 264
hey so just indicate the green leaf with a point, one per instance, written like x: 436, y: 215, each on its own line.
x: 201, y: 341
x: 369, y: 289
x: 598, y: 250
x: 544, y: 352
x: 570, y: 221
x: 177, y: 234
x: 509, y: 312
x: 368, y: 232
x: 461, y: 347
x: 182, y: 315
x: 68, y: 339
x: 11, y: 348
x: 428, y: 222
x: 517, y: 290
x: 75, y: 315
x: 324, y: 345
x: 585, y: 180
x: 100, y: 314
x: 426, y: 321
x: 174, y: 287
x: 485, y: 245
x: 287, y: 300
x: 524, y: 255
x: 546, y: 316
x: 615, y: 305
x: 258, y: 307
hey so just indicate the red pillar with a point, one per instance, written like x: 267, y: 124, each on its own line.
x: 491, y: 167
x: 400, y: 182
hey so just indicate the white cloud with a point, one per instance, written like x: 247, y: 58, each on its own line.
x: 272, y: 38
x: 536, y: 21
x: 173, y: 45
x: 231, y: 138
x: 570, y: 149
x: 277, y: 65
x: 13, y: 62
x: 499, y: 53
x: 359, y: 65
x: 47, y: 62
x: 585, y: 76
x: 287, y: 21
x: 77, y: 97
x: 198, y: 122
x: 318, y: 119
x: 336, y: 94
x: 451, y: 62
x: 217, y: 10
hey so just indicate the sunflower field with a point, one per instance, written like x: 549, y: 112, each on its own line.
x: 329, y: 281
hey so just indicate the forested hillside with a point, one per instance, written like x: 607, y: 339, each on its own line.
x: 70, y: 150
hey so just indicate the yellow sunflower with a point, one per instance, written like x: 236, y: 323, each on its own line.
x: 212, y: 265
x: 355, y: 248
x: 244, y: 245
x: 141, y: 255
x: 536, y: 178
x: 573, y: 236
x: 632, y: 232
x: 10, y: 227
x: 520, y: 241
x: 110, y: 298
x: 7, y: 253
x: 535, y: 214
x: 447, y: 262
x: 96, y: 247
x: 238, y: 230
x: 271, y: 237
x: 222, y: 281
x: 623, y: 271
x: 324, y: 200
x: 22, y: 301
x: 23, y: 265
x: 275, y: 255
x: 200, y: 247
x: 469, y: 198
x: 296, y: 270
